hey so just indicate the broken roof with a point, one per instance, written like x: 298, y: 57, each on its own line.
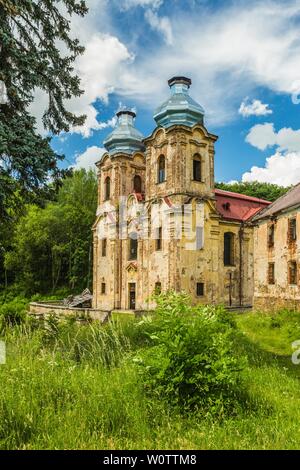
x: 238, y: 207
x: 288, y: 200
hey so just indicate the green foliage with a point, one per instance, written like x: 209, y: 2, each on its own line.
x: 267, y: 191
x: 190, y: 360
x: 13, y: 312
x: 53, y: 398
x: 31, y: 36
x: 51, y: 246
x: 276, y: 331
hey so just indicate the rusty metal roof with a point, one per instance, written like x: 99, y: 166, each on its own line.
x: 238, y: 207
x: 288, y: 200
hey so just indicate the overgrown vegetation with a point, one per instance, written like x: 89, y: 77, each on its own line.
x: 267, y: 191
x: 50, y: 246
x: 190, y: 361
x: 82, y: 386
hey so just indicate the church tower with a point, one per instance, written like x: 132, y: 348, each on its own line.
x: 180, y: 151
x: 121, y: 173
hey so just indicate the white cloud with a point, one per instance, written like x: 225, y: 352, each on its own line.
x: 88, y: 158
x: 264, y: 135
x: 160, y: 24
x: 126, y: 4
x: 255, y: 108
x: 99, y: 69
x: 281, y: 169
x: 227, y: 54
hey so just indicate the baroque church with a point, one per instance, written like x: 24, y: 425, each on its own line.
x: 161, y: 224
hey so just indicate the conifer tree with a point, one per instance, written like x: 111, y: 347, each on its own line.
x: 36, y: 52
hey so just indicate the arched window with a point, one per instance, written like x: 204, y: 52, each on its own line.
x: 197, y: 168
x: 137, y: 184
x: 161, y: 177
x: 228, y: 249
x: 107, y: 188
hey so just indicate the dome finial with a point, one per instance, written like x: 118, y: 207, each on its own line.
x: 180, y: 108
x: 125, y: 138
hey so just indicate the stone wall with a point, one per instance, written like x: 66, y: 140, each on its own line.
x: 46, y: 308
x: 281, y: 293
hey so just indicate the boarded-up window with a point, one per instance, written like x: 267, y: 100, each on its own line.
x: 271, y: 273
x: 200, y: 289
x: 228, y: 249
x: 292, y: 234
x: 292, y: 268
x: 271, y: 235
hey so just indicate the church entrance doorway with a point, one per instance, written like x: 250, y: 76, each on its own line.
x: 132, y: 296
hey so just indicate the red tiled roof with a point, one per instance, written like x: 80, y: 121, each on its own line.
x: 238, y: 207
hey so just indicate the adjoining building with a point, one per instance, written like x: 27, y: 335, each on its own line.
x: 277, y: 253
x: 178, y: 232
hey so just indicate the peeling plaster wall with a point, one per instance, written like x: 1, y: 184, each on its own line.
x: 173, y: 266
x: 281, y: 294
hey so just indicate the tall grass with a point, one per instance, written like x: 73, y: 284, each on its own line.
x: 70, y: 386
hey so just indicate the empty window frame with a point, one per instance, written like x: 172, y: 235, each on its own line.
x: 200, y: 289
x: 107, y: 188
x: 197, y: 168
x: 292, y: 273
x: 292, y: 231
x: 161, y: 176
x: 228, y: 249
x: 133, y: 247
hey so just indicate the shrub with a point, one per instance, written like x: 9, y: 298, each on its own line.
x: 13, y: 312
x: 190, y: 361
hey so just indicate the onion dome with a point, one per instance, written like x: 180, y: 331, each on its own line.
x: 125, y: 138
x: 180, y: 108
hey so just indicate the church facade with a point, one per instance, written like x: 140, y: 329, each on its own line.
x: 161, y: 224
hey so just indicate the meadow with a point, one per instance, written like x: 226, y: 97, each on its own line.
x: 67, y: 385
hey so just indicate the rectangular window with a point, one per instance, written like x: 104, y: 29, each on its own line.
x: 199, y: 238
x: 200, y: 289
x: 271, y: 273
x: 103, y: 288
x: 292, y: 235
x: 271, y: 233
x: 157, y: 288
x: 104, y: 246
x: 293, y: 272
x: 197, y: 170
x: 133, y: 248
x: 159, y: 239
x: 228, y: 249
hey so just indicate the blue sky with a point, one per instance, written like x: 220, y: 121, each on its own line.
x: 244, y: 62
